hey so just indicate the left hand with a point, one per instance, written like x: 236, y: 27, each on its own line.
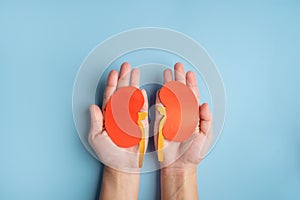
x: 183, y: 156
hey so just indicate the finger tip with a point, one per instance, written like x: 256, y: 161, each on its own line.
x: 167, y: 71
x: 94, y: 110
x: 191, y: 78
x: 135, y: 71
x: 112, y: 77
x: 124, y: 71
x: 190, y: 74
x: 205, y: 106
x: 125, y: 65
x: 167, y: 75
x: 179, y: 66
x: 205, y: 112
x: 93, y: 107
x: 113, y: 73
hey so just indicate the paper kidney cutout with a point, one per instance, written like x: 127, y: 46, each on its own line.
x: 122, y: 116
x: 181, y: 109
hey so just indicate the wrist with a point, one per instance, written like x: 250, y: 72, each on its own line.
x: 120, y: 176
x: 179, y: 183
x: 115, y: 184
x: 179, y: 171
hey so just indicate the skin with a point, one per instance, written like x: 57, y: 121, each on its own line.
x: 123, y: 168
x: 179, y: 169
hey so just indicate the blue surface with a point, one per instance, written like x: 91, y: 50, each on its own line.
x: 255, y: 45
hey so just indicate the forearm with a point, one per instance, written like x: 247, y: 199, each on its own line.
x: 119, y: 185
x: 179, y: 184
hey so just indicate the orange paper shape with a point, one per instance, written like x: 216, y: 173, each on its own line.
x: 182, y: 111
x: 122, y: 116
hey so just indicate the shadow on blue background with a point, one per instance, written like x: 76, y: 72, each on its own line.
x: 255, y: 45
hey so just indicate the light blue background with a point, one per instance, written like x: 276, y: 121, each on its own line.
x: 255, y: 45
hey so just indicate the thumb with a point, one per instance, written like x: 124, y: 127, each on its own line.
x: 96, y: 121
x: 145, y: 106
x: 205, y: 118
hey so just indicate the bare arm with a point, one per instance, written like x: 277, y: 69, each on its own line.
x: 179, y: 184
x: 121, y: 172
x: 119, y: 185
x: 179, y: 167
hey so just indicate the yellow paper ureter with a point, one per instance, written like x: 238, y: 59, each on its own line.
x: 160, y: 141
x: 142, y: 116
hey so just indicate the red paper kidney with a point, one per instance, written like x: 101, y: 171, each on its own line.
x: 182, y: 111
x: 121, y: 116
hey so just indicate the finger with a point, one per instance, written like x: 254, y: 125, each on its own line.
x: 206, y: 142
x: 145, y: 106
x: 191, y: 82
x: 205, y: 118
x: 179, y: 72
x: 124, y: 75
x: 135, y: 78
x: 96, y: 121
x: 111, y: 85
x: 167, y: 75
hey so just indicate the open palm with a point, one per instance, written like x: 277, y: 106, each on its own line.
x: 189, y: 153
x: 122, y: 159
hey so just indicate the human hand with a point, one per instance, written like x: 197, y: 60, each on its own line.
x: 113, y: 156
x: 184, y: 156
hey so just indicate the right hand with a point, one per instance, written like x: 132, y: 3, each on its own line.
x: 121, y: 159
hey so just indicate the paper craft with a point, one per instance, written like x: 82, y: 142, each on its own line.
x: 160, y: 145
x: 142, y: 116
x: 180, y: 114
x: 123, y: 119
